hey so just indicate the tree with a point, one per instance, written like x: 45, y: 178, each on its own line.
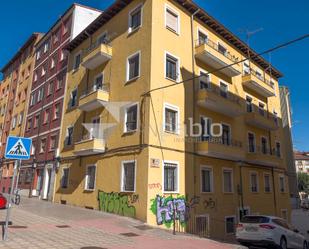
x: 303, y: 182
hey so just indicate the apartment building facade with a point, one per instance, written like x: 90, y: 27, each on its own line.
x: 301, y: 162
x: 17, y: 76
x: 129, y: 140
x: 286, y: 111
x: 43, y: 118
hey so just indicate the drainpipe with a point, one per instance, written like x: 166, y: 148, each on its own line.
x: 194, y: 95
x: 274, y: 190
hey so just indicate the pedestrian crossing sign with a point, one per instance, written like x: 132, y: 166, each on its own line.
x: 18, y: 148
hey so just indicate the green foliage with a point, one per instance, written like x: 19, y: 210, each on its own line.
x: 303, y: 182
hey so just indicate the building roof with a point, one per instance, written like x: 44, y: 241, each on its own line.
x: 29, y: 41
x: 191, y: 7
x: 304, y: 156
x: 62, y: 16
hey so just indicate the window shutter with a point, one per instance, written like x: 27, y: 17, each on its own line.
x: 171, y: 20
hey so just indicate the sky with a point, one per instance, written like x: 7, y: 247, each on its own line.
x: 278, y: 20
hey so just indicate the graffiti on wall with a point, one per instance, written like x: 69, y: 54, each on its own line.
x: 155, y: 186
x: 117, y: 203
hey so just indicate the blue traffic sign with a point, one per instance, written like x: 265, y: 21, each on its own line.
x: 18, y: 148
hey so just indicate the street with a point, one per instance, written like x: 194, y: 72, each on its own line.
x: 39, y: 224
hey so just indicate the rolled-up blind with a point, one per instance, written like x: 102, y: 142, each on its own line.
x: 171, y: 20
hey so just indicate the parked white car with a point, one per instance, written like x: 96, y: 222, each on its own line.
x: 304, y: 203
x: 269, y: 232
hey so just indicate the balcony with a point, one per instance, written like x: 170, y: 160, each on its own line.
x: 266, y: 121
x: 97, y: 54
x: 258, y: 84
x: 214, y: 147
x: 217, y: 57
x: 264, y: 157
x: 94, y: 98
x: 225, y: 103
x: 89, y: 146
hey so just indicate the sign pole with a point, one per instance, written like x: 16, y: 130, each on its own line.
x: 9, y: 202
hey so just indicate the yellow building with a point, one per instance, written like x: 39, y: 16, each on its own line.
x: 140, y: 136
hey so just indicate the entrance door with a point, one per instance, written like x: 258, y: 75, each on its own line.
x: 46, y: 183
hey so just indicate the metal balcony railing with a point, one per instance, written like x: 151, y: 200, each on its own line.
x: 264, y: 150
x: 260, y: 77
x: 94, y: 45
x: 216, y: 47
x: 220, y: 140
x: 96, y: 87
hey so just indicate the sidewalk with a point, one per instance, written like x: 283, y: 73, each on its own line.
x: 40, y: 224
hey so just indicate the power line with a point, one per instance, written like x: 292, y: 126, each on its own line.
x: 221, y: 68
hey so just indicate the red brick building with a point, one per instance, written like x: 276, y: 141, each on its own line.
x: 43, y: 119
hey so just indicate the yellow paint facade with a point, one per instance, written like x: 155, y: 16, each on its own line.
x: 153, y: 148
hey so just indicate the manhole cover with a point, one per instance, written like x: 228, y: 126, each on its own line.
x: 92, y: 247
x: 17, y: 226
x: 63, y: 226
x: 129, y: 234
x: 143, y: 227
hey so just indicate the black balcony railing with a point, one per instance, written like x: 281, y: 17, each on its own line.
x: 217, y: 48
x: 264, y: 150
x: 259, y: 76
x: 94, y: 45
x: 220, y: 140
x: 96, y: 87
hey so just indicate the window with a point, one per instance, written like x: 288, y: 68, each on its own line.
x: 264, y: 145
x: 258, y: 74
x: 46, y: 45
x: 171, y: 116
x: 133, y: 66
x: 50, y: 88
x: 251, y: 142
x: 276, y: 118
x: 40, y: 94
x: 29, y: 123
x: 206, y: 127
x: 228, y: 181
x: 222, y: 49
x: 73, y: 99
x: 14, y: 121
x: 57, y: 111
x: 59, y: 84
x: 65, y: 178
x: 69, y: 137
x: 62, y: 55
x: 52, y: 63
x: 223, y: 89
x: 135, y: 18
x: 128, y: 176
x: 246, y: 68
x: 36, y: 121
x: 131, y: 118
x: 21, y: 117
x: 204, y: 80
x: 278, y: 149
x: 230, y: 224
x: 33, y: 148
x: 171, y: 20
x: 43, y: 71
x: 206, y: 180
x: 267, y: 183
x: 98, y: 82
x: 262, y: 109
x: 52, y: 143
x: 172, y: 70
x: 254, y: 182
x: 226, y: 134
x: 77, y: 61
x: 170, y: 177
x: 38, y: 55
x: 249, y: 104
x: 43, y: 145
x: 90, y: 178
x: 202, y: 38
x: 46, y: 116
x: 281, y: 184
x: 35, y: 77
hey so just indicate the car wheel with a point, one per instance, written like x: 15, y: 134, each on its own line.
x: 306, y: 245
x: 283, y: 244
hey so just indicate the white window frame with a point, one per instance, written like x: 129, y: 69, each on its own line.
x: 232, y: 180
x: 174, y: 108
x: 52, y: 64
x: 130, y: 30
x: 210, y: 169
x: 227, y: 87
x: 14, y: 122
x: 166, y: 53
x: 86, y: 177
x: 43, y: 139
x: 62, y: 55
x: 175, y: 12
x: 139, y: 53
x: 62, y: 174
x: 96, y: 77
x: 43, y: 72
x: 178, y: 173
x: 201, y: 30
x: 257, y: 181
x: 222, y: 45
x: 46, y: 46
x: 125, y: 118
x: 235, y: 222
x: 38, y: 55
x: 122, y: 175
x: 67, y: 135
x: 74, y: 61
x: 270, y: 180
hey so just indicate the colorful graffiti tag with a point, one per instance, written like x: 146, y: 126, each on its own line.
x: 116, y: 203
x: 165, y: 208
